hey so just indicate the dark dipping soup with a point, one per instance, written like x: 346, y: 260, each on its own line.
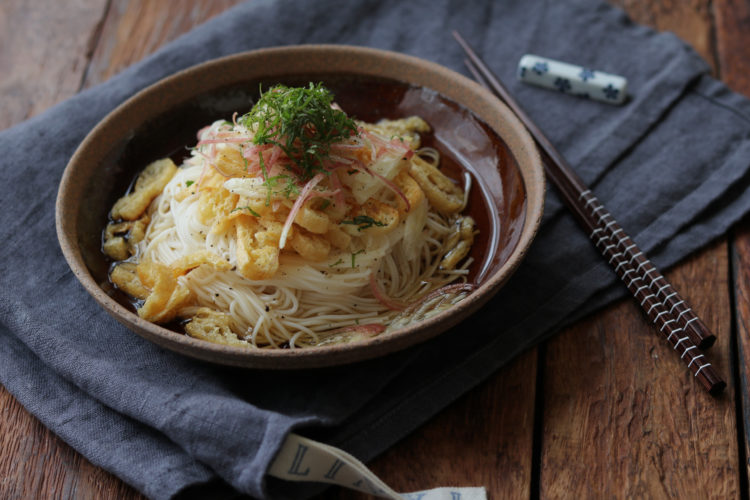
x: 497, y: 199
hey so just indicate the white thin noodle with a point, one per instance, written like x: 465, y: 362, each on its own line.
x: 305, y: 301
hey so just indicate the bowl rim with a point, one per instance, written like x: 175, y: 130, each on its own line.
x: 531, y: 173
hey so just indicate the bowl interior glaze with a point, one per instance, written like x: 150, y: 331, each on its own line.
x: 472, y: 129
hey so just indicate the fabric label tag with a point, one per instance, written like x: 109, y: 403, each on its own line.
x: 302, y: 459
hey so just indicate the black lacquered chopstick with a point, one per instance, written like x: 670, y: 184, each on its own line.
x: 661, y: 303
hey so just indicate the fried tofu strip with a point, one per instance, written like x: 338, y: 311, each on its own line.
x: 124, y: 276
x: 442, y: 193
x: 166, y: 296
x: 257, y: 248
x: 310, y: 246
x: 148, y: 186
x: 374, y: 216
x: 116, y: 248
x: 120, y: 238
x: 312, y: 220
x: 338, y: 238
x: 407, y: 129
x: 460, y: 243
x: 231, y: 163
x: 187, y: 263
x: 215, y: 327
x: 411, y: 190
x: 214, y: 205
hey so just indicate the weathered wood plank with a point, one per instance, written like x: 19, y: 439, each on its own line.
x: 44, y: 50
x: 733, y: 53
x: 136, y: 28
x: 741, y: 261
x: 733, y: 43
x: 484, y: 439
x: 622, y: 416
x: 34, y: 463
x: 688, y: 19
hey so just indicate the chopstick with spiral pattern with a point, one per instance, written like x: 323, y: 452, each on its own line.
x: 677, y: 322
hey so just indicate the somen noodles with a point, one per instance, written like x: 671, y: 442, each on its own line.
x: 294, y: 226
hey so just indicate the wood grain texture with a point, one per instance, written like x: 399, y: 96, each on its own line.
x: 741, y: 265
x: 46, y: 55
x: 43, y: 53
x: 733, y: 43
x: 691, y: 20
x: 615, y: 426
x: 618, y: 426
x: 44, y: 50
x: 136, y: 28
x: 623, y: 418
x: 485, y: 438
x: 34, y: 463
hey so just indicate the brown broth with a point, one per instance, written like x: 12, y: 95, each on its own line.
x: 497, y: 199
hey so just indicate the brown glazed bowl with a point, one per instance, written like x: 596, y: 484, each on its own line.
x: 472, y: 129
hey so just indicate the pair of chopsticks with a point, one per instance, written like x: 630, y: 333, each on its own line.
x: 677, y: 322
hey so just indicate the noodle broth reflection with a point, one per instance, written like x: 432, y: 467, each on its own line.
x: 278, y: 232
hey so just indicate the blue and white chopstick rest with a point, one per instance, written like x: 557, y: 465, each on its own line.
x: 572, y: 79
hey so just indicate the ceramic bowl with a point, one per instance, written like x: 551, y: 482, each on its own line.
x: 471, y: 128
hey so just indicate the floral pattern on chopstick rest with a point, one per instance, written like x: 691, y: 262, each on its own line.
x: 572, y: 79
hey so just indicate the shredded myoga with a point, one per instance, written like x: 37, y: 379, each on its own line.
x: 294, y: 226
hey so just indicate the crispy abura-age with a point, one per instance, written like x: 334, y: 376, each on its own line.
x: 124, y: 276
x: 167, y: 295
x: 120, y: 238
x: 213, y: 326
x: 148, y: 186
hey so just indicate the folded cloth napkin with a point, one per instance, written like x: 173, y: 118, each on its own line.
x: 671, y: 165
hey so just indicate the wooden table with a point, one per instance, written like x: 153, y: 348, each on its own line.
x: 604, y: 409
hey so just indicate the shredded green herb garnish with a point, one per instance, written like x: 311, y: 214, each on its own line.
x: 340, y: 261
x: 363, y: 222
x: 290, y: 187
x: 301, y: 121
x: 354, y: 256
x: 189, y: 183
x: 325, y: 204
x: 252, y: 212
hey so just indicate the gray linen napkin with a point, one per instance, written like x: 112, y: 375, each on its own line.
x: 671, y: 165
